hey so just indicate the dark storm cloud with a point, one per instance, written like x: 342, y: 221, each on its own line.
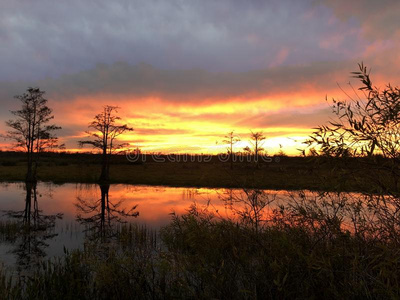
x: 141, y: 81
x: 47, y: 38
x: 188, y: 85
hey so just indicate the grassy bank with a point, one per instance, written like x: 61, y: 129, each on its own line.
x: 281, y: 173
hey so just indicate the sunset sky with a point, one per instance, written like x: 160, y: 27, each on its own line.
x: 184, y: 73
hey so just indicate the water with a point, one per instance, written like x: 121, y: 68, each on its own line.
x: 64, y: 216
x: 153, y: 203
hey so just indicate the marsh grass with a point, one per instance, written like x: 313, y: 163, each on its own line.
x: 317, y: 246
x: 9, y: 230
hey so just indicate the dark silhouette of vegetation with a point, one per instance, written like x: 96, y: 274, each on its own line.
x: 312, y: 245
x: 365, y: 124
x: 31, y: 130
x: 281, y: 152
x: 231, y: 139
x: 106, y: 131
x: 256, y: 141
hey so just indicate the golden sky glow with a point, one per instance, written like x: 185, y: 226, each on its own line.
x: 169, y: 128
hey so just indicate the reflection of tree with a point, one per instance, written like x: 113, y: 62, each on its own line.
x: 100, y: 215
x: 34, y: 229
x: 250, y: 205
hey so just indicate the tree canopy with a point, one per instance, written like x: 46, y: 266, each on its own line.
x: 104, y: 131
x: 30, y: 129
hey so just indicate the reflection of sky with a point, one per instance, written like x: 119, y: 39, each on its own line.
x: 154, y: 206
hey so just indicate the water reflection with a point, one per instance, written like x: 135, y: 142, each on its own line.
x: 31, y: 230
x: 252, y: 207
x: 100, y: 216
x: 95, y: 211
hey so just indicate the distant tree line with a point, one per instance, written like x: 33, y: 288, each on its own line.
x: 255, y: 149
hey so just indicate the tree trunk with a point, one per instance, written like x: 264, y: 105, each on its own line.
x: 30, y: 174
x: 105, y: 176
x: 231, y: 154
